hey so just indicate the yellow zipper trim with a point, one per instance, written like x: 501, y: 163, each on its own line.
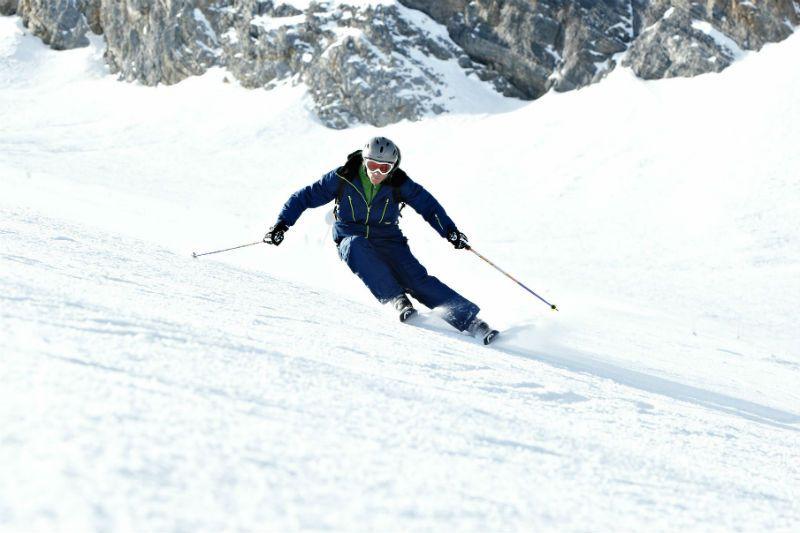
x: 363, y: 198
x: 352, y: 210
x: 356, y: 188
x: 384, y: 210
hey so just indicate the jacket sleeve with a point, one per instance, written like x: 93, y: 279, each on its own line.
x: 315, y: 195
x: 426, y: 205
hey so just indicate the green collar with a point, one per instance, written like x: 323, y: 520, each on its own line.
x: 370, y: 190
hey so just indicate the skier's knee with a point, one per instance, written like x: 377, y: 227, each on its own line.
x: 351, y: 248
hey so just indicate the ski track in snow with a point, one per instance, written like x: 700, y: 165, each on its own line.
x: 583, y: 362
x: 158, y: 391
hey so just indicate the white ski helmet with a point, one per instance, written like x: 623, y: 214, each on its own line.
x: 381, y: 149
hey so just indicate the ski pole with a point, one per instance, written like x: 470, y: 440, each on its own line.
x: 196, y: 255
x: 552, y: 306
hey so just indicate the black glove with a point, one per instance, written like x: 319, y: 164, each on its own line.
x: 457, y: 239
x: 275, y: 233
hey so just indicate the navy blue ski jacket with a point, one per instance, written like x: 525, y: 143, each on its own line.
x: 354, y: 216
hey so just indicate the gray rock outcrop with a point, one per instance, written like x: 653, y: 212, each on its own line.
x: 8, y: 7
x: 564, y: 44
x: 672, y: 47
x: 59, y: 23
x: 360, y: 64
x: 91, y: 10
x: 538, y: 45
x: 685, y: 38
x: 157, y: 42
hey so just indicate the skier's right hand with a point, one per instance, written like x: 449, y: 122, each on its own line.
x: 275, y: 233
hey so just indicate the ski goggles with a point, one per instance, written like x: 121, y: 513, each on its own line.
x: 373, y: 165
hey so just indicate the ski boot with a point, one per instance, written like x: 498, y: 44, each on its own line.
x: 481, y: 330
x: 403, y: 306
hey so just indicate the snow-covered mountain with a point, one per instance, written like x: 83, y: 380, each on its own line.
x: 383, y: 61
x: 265, y: 389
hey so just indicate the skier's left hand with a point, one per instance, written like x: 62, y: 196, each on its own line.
x: 275, y: 233
x: 457, y: 239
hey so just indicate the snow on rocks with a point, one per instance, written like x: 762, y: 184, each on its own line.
x: 384, y: 61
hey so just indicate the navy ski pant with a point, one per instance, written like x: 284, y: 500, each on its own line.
x: 388, y: 268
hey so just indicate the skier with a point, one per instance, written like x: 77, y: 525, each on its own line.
x: 370, y: 190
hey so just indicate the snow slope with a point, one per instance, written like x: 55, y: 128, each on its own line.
x: 263, y: 389
x: 147, y: 391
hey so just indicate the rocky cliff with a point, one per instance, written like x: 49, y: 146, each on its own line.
x: 563, y: 45
x: 378, y: 62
